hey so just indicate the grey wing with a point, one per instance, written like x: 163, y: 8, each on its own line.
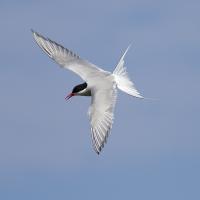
x: 101, y: 114
x: 67, y: 59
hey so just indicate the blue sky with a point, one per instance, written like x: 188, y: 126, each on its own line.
x: 153, y: 151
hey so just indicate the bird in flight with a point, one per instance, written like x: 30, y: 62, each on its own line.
x: 99, y: 84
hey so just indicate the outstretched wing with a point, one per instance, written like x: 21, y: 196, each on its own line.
x: 67, y: 59
x: 101, y: 114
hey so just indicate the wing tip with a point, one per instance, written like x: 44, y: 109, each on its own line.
x: 98, y: 151
x: 34, y: 32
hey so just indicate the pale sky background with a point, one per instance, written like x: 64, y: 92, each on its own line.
x: 153, y: 151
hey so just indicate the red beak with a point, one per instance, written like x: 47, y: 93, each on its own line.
x: 69, y: 96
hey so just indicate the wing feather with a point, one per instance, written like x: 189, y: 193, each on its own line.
x: 67, y: 59
x: 101, y: 114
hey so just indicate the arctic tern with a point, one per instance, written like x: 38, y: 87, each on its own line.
x: 99, y: 84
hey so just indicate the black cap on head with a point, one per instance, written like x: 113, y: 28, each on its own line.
x: 79, y: 88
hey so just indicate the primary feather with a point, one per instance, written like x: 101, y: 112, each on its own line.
x: 66, y: 58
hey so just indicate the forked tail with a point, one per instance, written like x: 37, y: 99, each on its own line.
x: 122, y: 79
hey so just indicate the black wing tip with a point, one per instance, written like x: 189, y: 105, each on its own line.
x: 99, y: 150
x: 33, y: 32
x: 36, y: 34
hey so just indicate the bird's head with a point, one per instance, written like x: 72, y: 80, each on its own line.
x: 78, y: 90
